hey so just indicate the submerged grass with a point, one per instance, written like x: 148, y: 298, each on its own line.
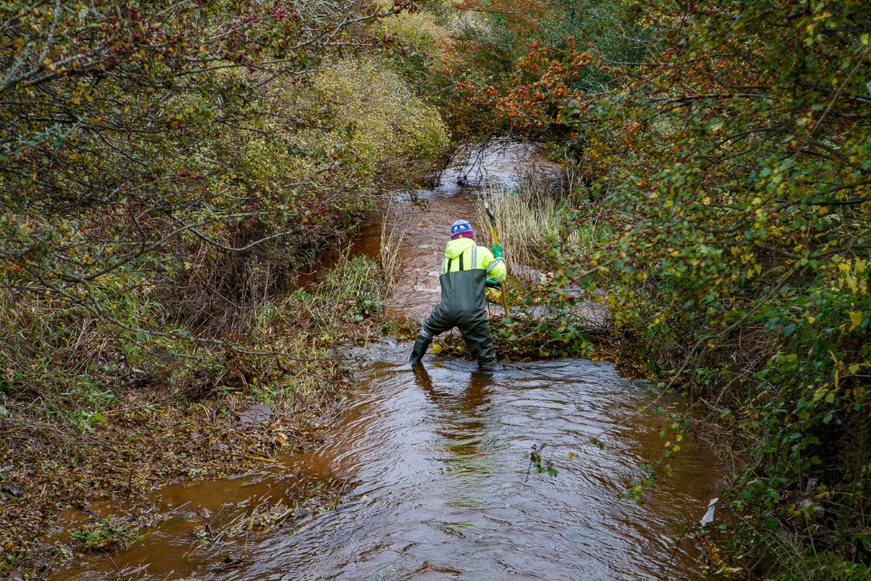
x: 223, y: 538
x: 102, y: 535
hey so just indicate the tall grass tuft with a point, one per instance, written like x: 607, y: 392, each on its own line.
x: 533, y: 218
x: 392, y: 236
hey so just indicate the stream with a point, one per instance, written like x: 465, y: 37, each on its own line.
x: 435, y: 483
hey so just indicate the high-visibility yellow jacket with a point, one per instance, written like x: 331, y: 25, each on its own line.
x: 464, y: 254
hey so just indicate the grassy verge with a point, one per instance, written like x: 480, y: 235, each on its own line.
x: 535, y: 221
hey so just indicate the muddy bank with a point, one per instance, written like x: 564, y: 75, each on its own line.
x: 74, y: 485
x: 63, y: 496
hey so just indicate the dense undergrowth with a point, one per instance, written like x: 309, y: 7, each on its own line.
x: 727, y: 147
x: 95, y: 428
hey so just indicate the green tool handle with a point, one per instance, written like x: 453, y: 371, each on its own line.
x: 492, y: 217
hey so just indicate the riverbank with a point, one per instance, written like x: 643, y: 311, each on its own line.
x: 67, y: 492
x: 168, y: 175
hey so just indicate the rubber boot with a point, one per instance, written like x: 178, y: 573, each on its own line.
x: 420, y: 347
x: 486, y: 369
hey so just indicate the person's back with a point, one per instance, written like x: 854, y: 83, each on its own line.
x: 466, y: 270
x: 464, y: 277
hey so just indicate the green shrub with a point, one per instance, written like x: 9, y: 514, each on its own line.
x: 389, y: 127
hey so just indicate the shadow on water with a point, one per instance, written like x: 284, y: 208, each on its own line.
x: 436, y: 473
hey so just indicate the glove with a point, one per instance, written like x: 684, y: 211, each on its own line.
x: 492, y: 283
x: 498, y: 252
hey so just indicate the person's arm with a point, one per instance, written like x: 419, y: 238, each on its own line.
x: 494, y: 266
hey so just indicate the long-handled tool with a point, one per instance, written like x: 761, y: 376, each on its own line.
x: 492, y: 217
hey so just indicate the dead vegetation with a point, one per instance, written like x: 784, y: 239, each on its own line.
x: 85, y: 417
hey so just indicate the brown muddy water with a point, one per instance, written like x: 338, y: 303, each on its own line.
x: 432, y: 470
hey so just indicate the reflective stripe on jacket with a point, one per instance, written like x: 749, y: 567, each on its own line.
x: 463, y: 254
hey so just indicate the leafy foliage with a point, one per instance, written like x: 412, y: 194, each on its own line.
x: 735, y: 158
x: 387, y: 125
x: 189, y: 150
x: 535, y: 461
x: 102, y: 535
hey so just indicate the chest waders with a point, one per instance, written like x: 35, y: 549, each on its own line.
x: 463, y: 305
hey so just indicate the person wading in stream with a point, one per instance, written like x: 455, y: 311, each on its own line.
x: 466, y: 270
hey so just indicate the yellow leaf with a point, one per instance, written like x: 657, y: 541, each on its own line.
x: 852, y: 284
x: 856, y: 318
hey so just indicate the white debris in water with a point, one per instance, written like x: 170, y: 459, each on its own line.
x: 709, y: 514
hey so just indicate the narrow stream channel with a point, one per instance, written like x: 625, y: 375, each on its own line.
x: 433, y: 462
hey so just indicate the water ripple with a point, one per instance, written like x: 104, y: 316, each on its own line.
x: 444, y: 490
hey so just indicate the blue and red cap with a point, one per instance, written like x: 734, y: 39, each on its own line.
x: 462, y: 229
